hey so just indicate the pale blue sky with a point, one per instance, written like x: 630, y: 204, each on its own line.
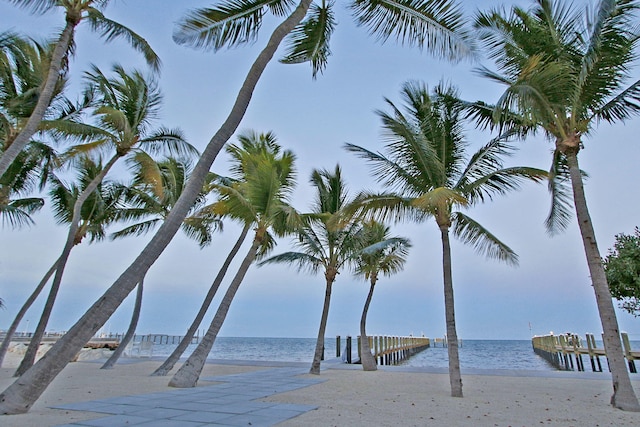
x: 550, y: 289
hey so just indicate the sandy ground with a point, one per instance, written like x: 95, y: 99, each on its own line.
x: 351, y: 397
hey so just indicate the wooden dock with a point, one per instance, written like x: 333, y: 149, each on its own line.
x: 387, y: 350
x: 565, y: 351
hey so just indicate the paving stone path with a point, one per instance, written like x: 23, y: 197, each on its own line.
x: 232, y: 403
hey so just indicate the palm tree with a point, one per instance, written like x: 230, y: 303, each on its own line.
x: 75, y: 12
x: 149, y: 205
x: 434, y: 24
x: 127, y: 107
x: 431, y: 176
x: 565, y: 70
x: 382, y: 254
x: 249, y: 147
x: 265, y: 179
x: 326, y: 242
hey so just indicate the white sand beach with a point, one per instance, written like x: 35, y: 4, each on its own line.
x: 351, y: 397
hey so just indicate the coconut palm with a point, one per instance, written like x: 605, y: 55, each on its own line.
x: 75, y: 12
x: 149, y: 205
x: 432, y: 24
x: 249, y: 148
x: 127, y: 107
x: 430, y: 175
x: 326, y: 242
x: 566, y: 69
x: 382, y: 254
x: 265, y: 179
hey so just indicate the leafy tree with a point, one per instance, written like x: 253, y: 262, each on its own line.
x: 432, y: 24
x: 327, y: 242
x: 75, y: 12
x: 264, y: 179
x: 382, y: 254
x: 432, y: 177
x: 622, y: 267
x: 566, y: 69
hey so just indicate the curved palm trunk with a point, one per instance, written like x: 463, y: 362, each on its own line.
x: 30, y: 355
x: 317, y: 355
x: 21, y: 395
x: 455, y: 378
x: 189, y: 372
x: 624, y: 396
x: 366, y: 358
x: 46, y: 95
x: 23, y: 310
x: 130, y: 332
x: 182, y: 346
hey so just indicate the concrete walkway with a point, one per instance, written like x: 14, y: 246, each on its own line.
x: 235, y: 402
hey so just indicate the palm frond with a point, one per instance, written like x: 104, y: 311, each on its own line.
x: 303, y: 261
x: 112, y: 30
x: 231, y: 23
x: 309, y: 41
x: 436, y: 26
x: 560, y: 213
x: 472, y: 233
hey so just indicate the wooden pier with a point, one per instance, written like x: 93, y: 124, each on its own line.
x: 387, y: 350
x: 565, y: 351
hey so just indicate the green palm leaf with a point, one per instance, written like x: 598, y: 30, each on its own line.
x: 483, y: 242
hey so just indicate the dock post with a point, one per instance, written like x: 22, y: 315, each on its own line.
x: 338, y: 346
x: 348, y: 349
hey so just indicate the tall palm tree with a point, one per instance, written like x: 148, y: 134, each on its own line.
x: 430, y: 176
x: 566, y: 69
x: 432, y: 24
x: 382, y: 254
x: 265, y: 179
x: 249, y: 148
x: 327, y: 242
x: 75, y: 12
x: 128, y: 104
x: 149, y: 205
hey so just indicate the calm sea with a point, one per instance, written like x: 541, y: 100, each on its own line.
x: 474, y: 354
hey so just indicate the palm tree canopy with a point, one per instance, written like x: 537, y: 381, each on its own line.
x: 262, y: 179
x: 382, y: 253
x: 434, y: 25
x: 100, y: 209
x: 91, y: 11
x: 126, y: 108
x: 429, y: 173
x: 147, y: 204
x: 566, y: 68
x: 327, y: 239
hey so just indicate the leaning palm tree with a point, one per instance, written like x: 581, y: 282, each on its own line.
x: 75, y: 12
x: 382, y: 254
x: 432, y: 24
x: 327, y: 242
x: 265, y: 179
x: 148, y: 205
x: 566, y: 69
x: 128, y: 104
x: 430, y: 175
x: 251, y: 145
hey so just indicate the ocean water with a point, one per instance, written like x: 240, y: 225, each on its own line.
x: 474, y: 354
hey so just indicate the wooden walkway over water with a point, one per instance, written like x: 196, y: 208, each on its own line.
x: 562, y: 350
x: 386, y: 350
